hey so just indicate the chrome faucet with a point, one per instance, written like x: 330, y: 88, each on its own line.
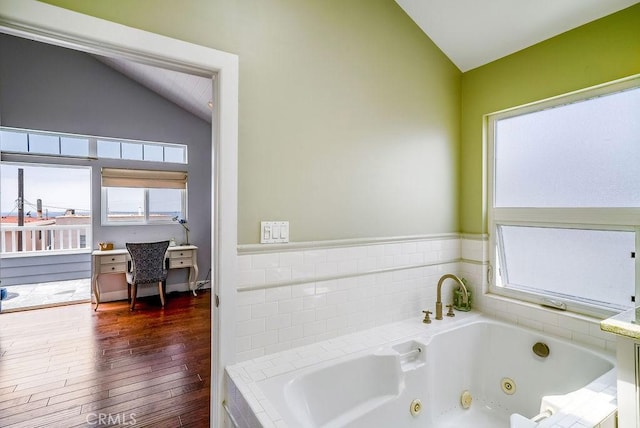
x: 465, y: 296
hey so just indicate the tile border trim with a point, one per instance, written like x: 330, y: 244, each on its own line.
x: 249, y: 249
x: 346, y: 275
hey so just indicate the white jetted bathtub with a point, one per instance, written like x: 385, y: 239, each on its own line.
x: 479, y: 373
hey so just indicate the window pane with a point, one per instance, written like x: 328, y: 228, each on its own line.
x: 153, y: 153
x: 108, y: 149
x: 164, y: 204
x: 124, y: 204
x: 74, y: 146
x: 595, y: 265
x: 59, y: 189
x: 13, y: 141
x: 132, y: 151
x: 47, y: 144
x: 584, y: 154
x: 174, y: 154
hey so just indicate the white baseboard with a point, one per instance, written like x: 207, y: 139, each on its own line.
x: 112, y: 296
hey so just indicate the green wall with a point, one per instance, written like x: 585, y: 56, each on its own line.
x: 598, y: 52
x: 349, y: 114
x: 352, y: 123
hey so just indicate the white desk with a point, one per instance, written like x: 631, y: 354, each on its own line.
x: 116, y: 262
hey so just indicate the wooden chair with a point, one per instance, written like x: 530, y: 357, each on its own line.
x: 147, y: 267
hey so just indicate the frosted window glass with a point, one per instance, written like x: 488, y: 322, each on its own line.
x: 595, y: 265
x: 585, y: 154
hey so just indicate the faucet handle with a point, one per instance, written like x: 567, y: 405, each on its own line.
x: 426, y: 319
x: 450, y: 311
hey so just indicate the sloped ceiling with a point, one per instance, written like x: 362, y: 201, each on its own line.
x: 475, y: 32
x: 192, y: 93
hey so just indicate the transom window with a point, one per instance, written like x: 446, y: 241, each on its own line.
x: 67, y: 145
x: 564, y: 199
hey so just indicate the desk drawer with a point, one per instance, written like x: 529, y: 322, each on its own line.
x: 175, y: 254
x: 113, y: 267
x: 178, y: 263
x: 117, y: 258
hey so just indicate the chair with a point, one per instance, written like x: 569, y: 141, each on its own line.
x: 147, y: 267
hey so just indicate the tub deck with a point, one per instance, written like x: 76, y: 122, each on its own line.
x: 249, y: 406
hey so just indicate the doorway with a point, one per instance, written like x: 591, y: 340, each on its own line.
x: 45, y: 232
x: 38, y: 21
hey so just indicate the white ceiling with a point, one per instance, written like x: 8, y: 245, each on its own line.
x: 192, y: 93
x: 475, y: 32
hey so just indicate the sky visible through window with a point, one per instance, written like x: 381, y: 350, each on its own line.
x: 60, y: 188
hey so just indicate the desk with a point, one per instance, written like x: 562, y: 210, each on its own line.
x: 117, y: 261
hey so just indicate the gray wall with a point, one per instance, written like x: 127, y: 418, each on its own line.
x: 44, y: 87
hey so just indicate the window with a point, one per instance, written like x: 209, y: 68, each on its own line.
x: 142, y: 196
x: 55, y: 144
x: 72, y: 146
x: 564, y: 192
x: 41, y: 143
x: 143, y: 151
x: 53, y: 213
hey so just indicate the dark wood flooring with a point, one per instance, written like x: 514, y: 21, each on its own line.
x: 72, y: 367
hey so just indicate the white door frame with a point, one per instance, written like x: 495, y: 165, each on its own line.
x: 50, y: 24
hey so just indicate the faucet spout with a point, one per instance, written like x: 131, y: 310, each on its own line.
x: 465, y: 296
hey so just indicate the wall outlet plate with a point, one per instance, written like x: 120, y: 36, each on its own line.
x: 274, y: 232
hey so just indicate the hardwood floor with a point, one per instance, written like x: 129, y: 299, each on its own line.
x: 71, y: 367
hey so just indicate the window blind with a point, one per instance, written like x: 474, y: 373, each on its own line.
x: 119, y: 177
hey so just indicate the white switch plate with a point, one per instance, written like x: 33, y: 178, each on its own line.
x: 272, y: 232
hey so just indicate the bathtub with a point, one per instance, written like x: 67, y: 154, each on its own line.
x: 475, y: 372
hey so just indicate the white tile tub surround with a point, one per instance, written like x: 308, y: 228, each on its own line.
x: 295, y: 295
x: 251, y: 408
x: 280, y: 264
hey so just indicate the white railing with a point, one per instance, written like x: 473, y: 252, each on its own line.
x: 44, y: 239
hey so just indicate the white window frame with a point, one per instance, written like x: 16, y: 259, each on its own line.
x: 580, y: 218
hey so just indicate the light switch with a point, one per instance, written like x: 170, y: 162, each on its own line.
x: 266, y: 231
x: 272, y: 232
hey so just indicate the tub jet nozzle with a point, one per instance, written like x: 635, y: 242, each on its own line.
x: 466, y: 399
x: 416, y: 407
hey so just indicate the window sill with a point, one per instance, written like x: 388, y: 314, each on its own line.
x: 602, y: 313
